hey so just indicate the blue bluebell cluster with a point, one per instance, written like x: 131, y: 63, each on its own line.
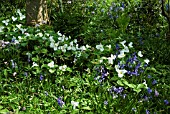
x: 60, y: 102
x: 102, y: 72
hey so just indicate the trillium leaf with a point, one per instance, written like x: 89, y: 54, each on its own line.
x: 86, y: 108
x: 44, y: 51
x: 140, y: 86
x: 120, y: 83
x: 51, y: 70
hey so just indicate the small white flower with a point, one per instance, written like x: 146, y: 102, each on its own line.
x: 71, y: 43
x: 22, y: 17
x: 110, y: 59
x: 51, y: 64
x: 19, y: 26
x: 5, y: 22
x: 83, y: 48
x: 109, y: 46
x: 87, y: 46
x: 1, y: 28
x: 59, y: 33
x: 60, y: 38
x: 69, y: 2
x: 23, y: 30
x: 69, y: 48
x: 19, y: 12
x: 122, y: 54
x: 75, y: 41
x: 140, y: 54
x: 123, y: 43
x: 51, y: 39
x: 63, y: 68
x: 14, y: 18
x: 65, y: 45
x: 14, y: 74
x: 100, y: 47
x: 63, y: 49
x: 146, y: 61
x: 130, y: 45
x: 27, y: 34
x: 66, y: 38
x: 40, y: 34
x: 73, y: 48
x: 75, y: 104
x: 56, y: 46
x: 120, y: 72
x: 126, y: 49
x: 34, y: 64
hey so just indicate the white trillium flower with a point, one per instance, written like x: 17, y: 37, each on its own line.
x: 120, y: 72
x: 34, y: 64
x: 87, y: 46
x: 19, y: 26
x: 100, y: 47
x: 22, y: 17
x: 71, y: 43
x: 56, y: 46
x: 5, y: 22
x: 75, y: 104
x: 23, y: 30
x: 109, y: 46
x: 66, y: 38
x: 69, y: 48
x: 122, y: 54
x: 63, y: 68
x: 52, y: 45
x: 140, y: 54
x: 14, y: 18
x: 51, y: 39
x: 40, y: 34
x: 83, y: 48
x: 130, y: 44
x: 146, y: 61
x: 61, y: 39
x: 51, y: 64
x: 126, y: 49
x: 123, y: 43
x: 110, y: 59
x: 59, y: 33
x: 27, y: 34
x: 75, y: 41
x: 1, y: 28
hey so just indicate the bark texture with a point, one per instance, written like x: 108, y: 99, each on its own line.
x: 36, y: 12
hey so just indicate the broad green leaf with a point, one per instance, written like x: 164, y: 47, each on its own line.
x: 52, y: 70
x: 44, y: 51
x: 86, y: 108
x: 120, y: 83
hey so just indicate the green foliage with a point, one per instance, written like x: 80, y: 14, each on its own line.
x: 101, y: 68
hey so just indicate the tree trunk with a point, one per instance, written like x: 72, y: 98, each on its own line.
x: 36, y: 12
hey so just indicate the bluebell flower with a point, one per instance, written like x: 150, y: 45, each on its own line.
x: 46, y: 93
x: 123, y: 5
x: 105, y: 102
x: 117, y: 47
x: 156, y: 93
x: 149, y: 76
x: 60, y: 102
x: 149, y: 90
x: 118, y: 90
x: 147, y: 111
x: 166, y: 102
x: 25, y: 74
x: 41, y: 77
x: 154, y: 82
